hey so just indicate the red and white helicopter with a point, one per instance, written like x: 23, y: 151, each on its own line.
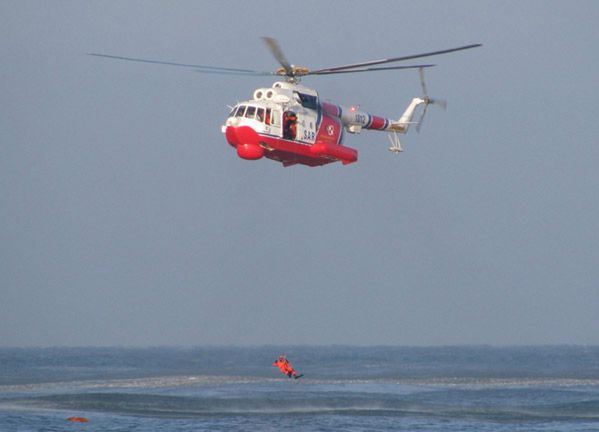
x: 290, y: 124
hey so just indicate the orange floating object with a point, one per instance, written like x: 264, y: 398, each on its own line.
x: 78, y: 419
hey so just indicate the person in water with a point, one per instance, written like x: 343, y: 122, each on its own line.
x: 285, y: 367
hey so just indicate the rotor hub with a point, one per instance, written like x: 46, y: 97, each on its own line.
x: 296, y: 73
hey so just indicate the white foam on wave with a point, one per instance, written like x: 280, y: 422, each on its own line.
x: 223, y: 380
x: 470, y: 382
x: 148, y: 382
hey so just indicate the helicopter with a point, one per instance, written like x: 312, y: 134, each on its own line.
x: 289, y: 123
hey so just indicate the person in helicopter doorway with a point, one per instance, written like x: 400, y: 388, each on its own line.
x: 289, y: 125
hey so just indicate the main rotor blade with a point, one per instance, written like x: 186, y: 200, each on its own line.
x: 394, y: 59
x: 277, y: 52
x: 201, y: 68
x: 369, y: 69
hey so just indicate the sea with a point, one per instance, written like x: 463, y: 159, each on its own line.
x: 344, y: 388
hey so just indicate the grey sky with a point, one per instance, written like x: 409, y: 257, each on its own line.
x: 126, y: 219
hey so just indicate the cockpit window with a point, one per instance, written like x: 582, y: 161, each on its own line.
x: 240, y: 111
x: 249, y: 113
x: 260, y: 115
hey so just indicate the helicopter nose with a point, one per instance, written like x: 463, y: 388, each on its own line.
x: 245, y: 139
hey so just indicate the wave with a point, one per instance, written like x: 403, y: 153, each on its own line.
x: 298, y: 403
x: 188, y: 396
x: 210, y: 380
x: 139, y: 383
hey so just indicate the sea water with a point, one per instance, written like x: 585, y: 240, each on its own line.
x: 472, y: 388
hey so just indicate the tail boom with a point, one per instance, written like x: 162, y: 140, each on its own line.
x: 354, y: 120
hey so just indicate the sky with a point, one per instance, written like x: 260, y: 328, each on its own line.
x: 127, y: 220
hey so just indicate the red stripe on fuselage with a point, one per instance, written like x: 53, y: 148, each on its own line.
x: 377, y: 123
x: 291, y: 152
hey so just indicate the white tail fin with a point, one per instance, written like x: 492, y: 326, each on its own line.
x: 404, y: 122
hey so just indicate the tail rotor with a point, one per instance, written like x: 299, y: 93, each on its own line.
x: 427, y: 100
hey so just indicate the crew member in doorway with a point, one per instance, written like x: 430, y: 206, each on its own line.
x: 289, y: 125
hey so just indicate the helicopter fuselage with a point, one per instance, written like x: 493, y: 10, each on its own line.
x: 289, y: 124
